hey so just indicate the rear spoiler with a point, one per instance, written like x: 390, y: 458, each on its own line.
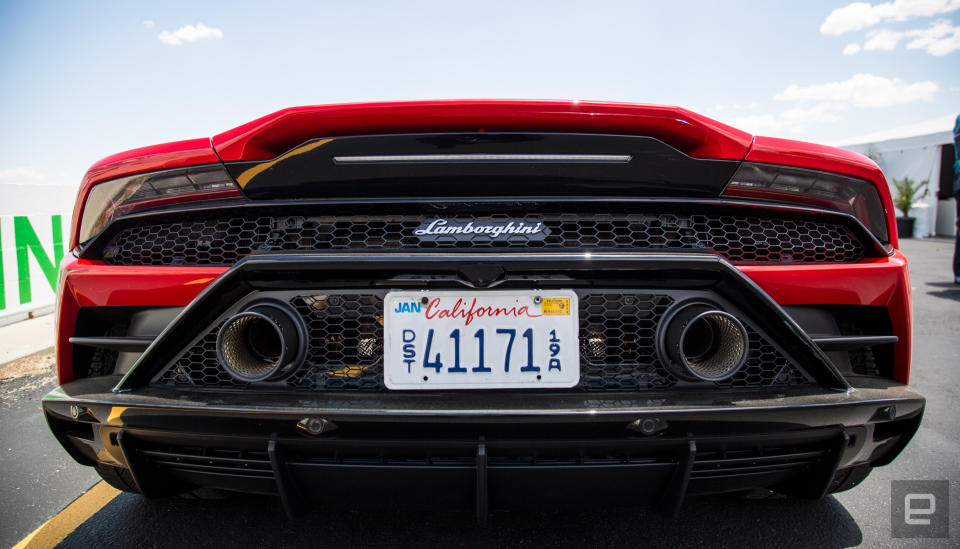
x: 275, y: 134
x: 482, y: 164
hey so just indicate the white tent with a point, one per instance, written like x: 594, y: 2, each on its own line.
x: 918, y: 158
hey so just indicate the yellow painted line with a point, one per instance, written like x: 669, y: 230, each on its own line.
x: 63, y: 523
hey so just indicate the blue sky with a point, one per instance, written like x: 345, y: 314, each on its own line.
x: 82, y: 80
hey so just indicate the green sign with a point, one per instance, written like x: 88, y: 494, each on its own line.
x: 28, y: 244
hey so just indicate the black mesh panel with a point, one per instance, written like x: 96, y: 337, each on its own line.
x: 738, y: 238
x: 617, y: 348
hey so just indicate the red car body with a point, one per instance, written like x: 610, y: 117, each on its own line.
x: 878, y: 280
x: 883, y: 282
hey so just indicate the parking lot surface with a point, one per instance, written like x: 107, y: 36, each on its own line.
x: 40, y: 481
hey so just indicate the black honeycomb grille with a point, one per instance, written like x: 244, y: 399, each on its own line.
x: 617, y: 348
x: 346, y: 342
x: 618, y: 342
x: 739, y: 238
x: 764, y: 367
x: 199, y: 366
x: 344, y: 348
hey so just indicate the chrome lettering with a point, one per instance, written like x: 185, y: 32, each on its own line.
x: 443, y: 226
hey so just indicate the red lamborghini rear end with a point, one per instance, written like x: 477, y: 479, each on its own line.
x: 490, y: 303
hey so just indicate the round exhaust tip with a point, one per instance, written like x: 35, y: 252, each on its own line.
x: 701, y: 343
x: 263, y: 342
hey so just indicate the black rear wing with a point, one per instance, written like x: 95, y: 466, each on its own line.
x: 482, y: 164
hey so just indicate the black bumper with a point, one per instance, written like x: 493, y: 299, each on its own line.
x: 487, y: 449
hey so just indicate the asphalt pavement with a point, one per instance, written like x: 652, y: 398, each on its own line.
x: 39, y: 480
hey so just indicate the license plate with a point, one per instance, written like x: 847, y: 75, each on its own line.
x: 481, y: 340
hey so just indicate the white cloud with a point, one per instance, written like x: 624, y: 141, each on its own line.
x: 148, y: 23
x: 862, y: 15
x: 825, y: 103
x: 21, y: 174
x: 723, y: 107
x: 882, y: 40
x: 941, y: 38
x: 190, y: 33
x: 720, y: 107
x: 851, y: 17
x: 819, y: 113
x: 795, y: 120
x: 940, y: 124
x: 863, y: 91
x: 757, y: 123
x: 851, y: 49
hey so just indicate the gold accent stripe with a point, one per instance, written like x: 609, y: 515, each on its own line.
x: 115, y: 413
x: 72, y: 517
x: 250, y: 173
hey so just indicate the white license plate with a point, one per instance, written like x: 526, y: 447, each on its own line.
x: 481, y: 340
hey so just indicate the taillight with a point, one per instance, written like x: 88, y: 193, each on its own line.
x: 849, y: 195
x: 112, y: 199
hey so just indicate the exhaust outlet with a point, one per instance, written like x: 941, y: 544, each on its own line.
x: 263, y: 342
x: 700, y: 343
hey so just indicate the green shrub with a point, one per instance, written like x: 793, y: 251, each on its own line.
x: 908, y: 192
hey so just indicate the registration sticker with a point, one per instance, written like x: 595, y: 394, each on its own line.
x: 556, y: 306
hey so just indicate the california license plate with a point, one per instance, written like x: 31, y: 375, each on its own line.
x: 481, y: 340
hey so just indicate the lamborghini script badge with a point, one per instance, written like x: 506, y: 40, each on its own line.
x: 472, y: 229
